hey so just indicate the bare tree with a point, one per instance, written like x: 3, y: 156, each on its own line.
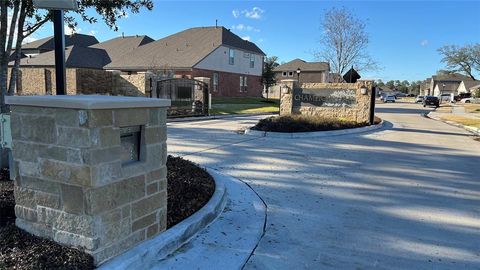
x: 26, y: 19
x: 464, y: 59
x: 344, y: 42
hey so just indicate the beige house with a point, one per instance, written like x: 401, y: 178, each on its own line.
x: 443, y: 84
x: 465, y: 86
x: 310, y: 72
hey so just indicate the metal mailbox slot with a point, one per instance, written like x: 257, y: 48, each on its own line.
x: 130, y: 141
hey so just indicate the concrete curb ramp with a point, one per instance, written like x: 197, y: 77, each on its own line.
x: 316, y: 134
x: 471, y: 129
x: 221, y: 235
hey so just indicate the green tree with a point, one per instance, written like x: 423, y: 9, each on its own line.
x: 463, y: 59
x: 268, y: 75
x: 380, y: 83
x: 390, y: 84
x: 26, y: 19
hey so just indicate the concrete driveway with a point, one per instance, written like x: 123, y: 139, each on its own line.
x: 405, y: 197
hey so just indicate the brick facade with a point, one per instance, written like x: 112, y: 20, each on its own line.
x: 228, y: 83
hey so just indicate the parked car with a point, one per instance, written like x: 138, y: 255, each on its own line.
x: 445, y: 98
x: 468, y: 100
x: 431, y: 101
x: 389, y: 99
x: 462, y: 96
x: 419, y: 99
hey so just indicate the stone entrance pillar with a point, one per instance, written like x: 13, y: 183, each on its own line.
x: 90, y: 171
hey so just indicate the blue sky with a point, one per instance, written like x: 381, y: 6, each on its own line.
x: 404, y: 35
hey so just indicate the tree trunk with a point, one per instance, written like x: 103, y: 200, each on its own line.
x: 17, y: 54
x: 3, y: 53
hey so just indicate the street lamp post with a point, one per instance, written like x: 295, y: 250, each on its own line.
x: 298, y: 75
x: 58, y: 6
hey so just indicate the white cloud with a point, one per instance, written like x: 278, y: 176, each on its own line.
x: 236, y: 13
x: 260, y: 40
x: 242, y: 27
x: 247, y: 38
x: 70, y: 31
x: 93, y: 32
x: 255, y: 13
x: 424, y: 43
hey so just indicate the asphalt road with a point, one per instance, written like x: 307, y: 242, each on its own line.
x: 405, y: 197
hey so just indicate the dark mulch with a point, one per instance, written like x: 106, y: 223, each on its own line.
x: 21, y: 250
x: 300, y: 123
x: 7, y: 201
x: 189, y: 189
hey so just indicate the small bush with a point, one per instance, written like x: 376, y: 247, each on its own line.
x: 301, y: 123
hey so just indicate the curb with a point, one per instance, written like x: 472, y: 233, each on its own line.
x: 474, y: 130
x: 230, y: 240
x: 214, y: 117
x: 167, y: 242
x: 315, y: 134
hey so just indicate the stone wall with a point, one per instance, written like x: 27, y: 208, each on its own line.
x: 359, y: 112
x: 71, y: 185
x: 41, y: 81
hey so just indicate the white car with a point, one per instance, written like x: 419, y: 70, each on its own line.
x: 389, y: 99
x: 419, y: 99
x: 468, y: 100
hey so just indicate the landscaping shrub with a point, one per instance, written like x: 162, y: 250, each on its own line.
x: 302, y: 123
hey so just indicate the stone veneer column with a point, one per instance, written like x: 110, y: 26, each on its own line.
x: 286, y: 97
x: 70, y: 182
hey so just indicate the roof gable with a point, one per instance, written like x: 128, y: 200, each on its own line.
x: 48, y: 43
x: 303, y: 65
x: 181, y: 50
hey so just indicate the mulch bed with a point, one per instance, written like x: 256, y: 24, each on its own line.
x: 189, y: 189
x: 300, y: 123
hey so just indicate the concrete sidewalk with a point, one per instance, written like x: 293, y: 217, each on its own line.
x: 406, y: 197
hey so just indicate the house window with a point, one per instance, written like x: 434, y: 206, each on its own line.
x: 284, y: 74
x: 243, y: 83
x: 231, y: 56
x: 215, y: 82
x: 290, y: 74
x: 252, y: 60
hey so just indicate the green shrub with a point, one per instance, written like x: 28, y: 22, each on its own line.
x: 301, y: 123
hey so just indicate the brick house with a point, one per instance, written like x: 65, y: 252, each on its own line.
x: 234, y: 65
x: 85, y: 59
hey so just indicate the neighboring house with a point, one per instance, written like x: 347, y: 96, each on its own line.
x: 474, y: 89
x: 85, y: 65
x: 446, y: 83
x: 234, y: 65
x: 48, y: 43
x: 425, y: 87
x: 466, y: 85
x: 310, y: 72
x: 335, y: 78
x: 118, y: 47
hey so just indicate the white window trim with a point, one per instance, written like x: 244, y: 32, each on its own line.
x: 231, y: 59
x: 284, y: 74
x: 252, y: 60
x: 215, y: 81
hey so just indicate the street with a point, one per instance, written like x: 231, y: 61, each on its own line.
x: 403, y: 197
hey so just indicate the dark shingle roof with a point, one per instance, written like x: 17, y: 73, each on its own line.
x: 303, y: 65
x: 470, y: 83
x: 75, y: 57
x: 182, y: 50
x: 116, y: 48
x: 451, y: 77
x: 48, y: 43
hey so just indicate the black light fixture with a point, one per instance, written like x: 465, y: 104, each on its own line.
x: 298, y: 74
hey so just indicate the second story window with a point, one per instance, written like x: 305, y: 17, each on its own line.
x: 215, y: 82
x: 290, y: 74
x: 231, y: 56
x: 252, y: 60
x: 284, y: 74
